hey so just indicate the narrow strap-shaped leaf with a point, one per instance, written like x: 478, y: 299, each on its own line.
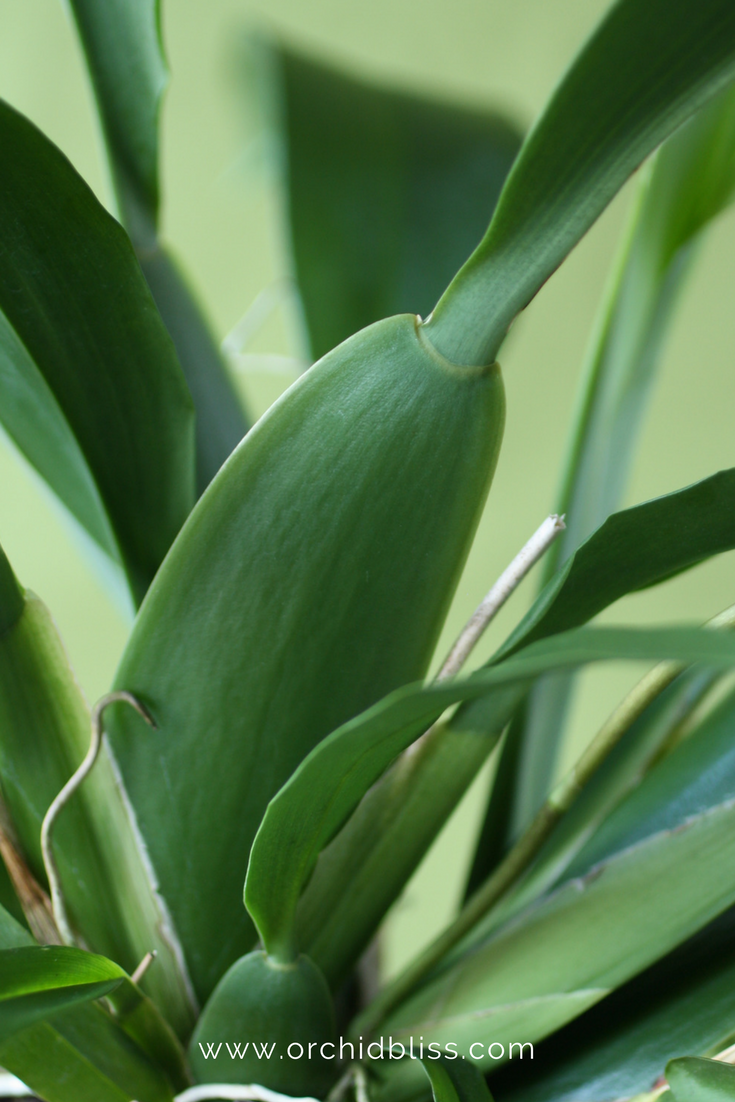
x: 83, y: 353
x: 366, y: 867
x: 293, y: 599
x: 124, y: 51
x: 455, y: 1080
x: 648, y: 66
x: 631, y: 550
x: 584, y: 940
x: 329, y: 784
x: 83, y: 1056
x: 38, y: 981
x: 683, y: 1003
x: 122, y: 43
x: 105, y: 874
x: 387, y: 192
x: 692, y: 1079
x: 690, y: 181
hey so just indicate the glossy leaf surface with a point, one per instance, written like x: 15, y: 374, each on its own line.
x: 387, y: 193
x: 692, y: 1079
x: 311, y: 579
x: 83, y: 1056
x: 647, y: 67
x: 454, y: 1080
x: 38, y: 981
x: 91, y: 391
x: 104, y: 871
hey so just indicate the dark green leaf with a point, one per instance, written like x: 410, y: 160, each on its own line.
x: 104, y: 872
x: 648, y: 66
x: 220, y: 420
x: 387, y: 192
x: 695, y: 1080
x: 310, y: 580
x: 38, y: 981
x: 455, y: 1080
x: 90, y: 388
x: 122, y: 43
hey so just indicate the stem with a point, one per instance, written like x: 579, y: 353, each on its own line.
x: 523, y: 852
x: 508, y: 581
x: 52, y: 871
x: 144, y: 965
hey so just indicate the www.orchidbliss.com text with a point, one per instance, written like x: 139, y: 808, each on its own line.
x: 375, y: 1050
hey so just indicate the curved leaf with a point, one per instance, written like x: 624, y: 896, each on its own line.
x: 124, y: 51
x: 311, y: 579
x: 695, y: 1080
x: 104, y: 870
x: 387, y: 192
x: 689, y: 183
x: 454, y: 1080
x: 364, y: 870
x: 38, y: 981
x: 328, y: 785
x: 684, y: 1002
x: 95, y: 369
x: 648, y: 66
x: 583, y: 940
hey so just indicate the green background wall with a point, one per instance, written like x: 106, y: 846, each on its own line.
x: 222, y: 217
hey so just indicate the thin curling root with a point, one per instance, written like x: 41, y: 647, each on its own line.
x: 58, y: 905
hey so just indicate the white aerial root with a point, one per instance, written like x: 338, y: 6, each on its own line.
x: 52, y: 872
x: 508, y: 581
x: 231, y: 1092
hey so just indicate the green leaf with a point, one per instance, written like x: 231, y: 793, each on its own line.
x: 454, y: 1080
x: 122, y: 43
x: 221, y: 421
x: 689, y: 183
x: 38, y: 981
x: 695, y: 1080
x: 83, y: 1056
x: 105, y: 874
x: 310, y: 580
x: 684, y: 1002
x: 387, y: 192
x: 124, y: 51
x: 632, y: 550
x: 364, y: 870
x: 648, y: 66
x: 328, y: 785
x: 582, y: 941
x: 90, y: 388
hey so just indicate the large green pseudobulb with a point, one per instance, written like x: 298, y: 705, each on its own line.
x: 311, y: 579
x: 284, y: 1006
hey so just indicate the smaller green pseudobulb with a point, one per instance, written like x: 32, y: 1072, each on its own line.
x: 268, y: 1023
